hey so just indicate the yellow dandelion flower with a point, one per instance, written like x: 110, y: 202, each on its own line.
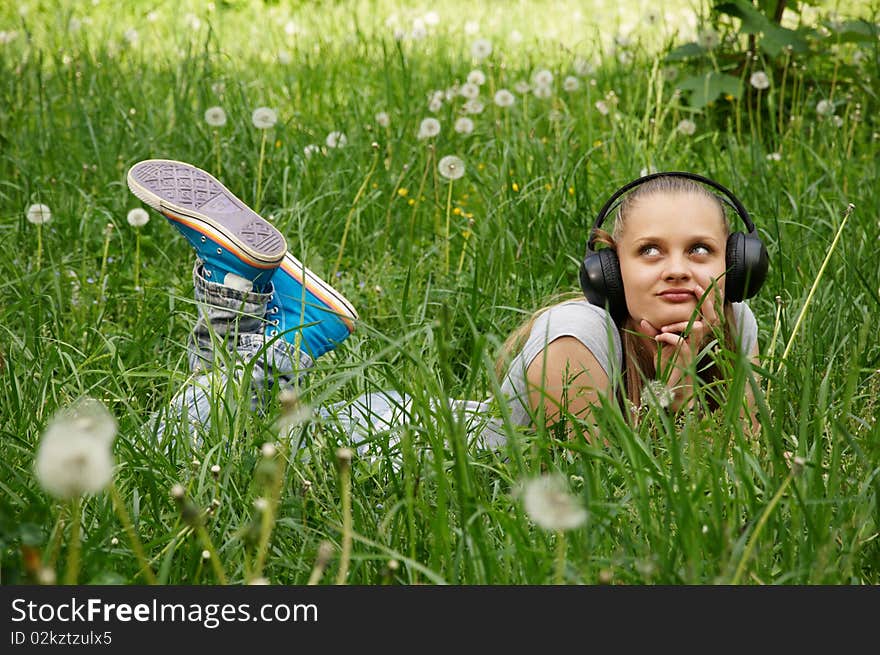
x: 411, y: 201
x: 571, y: 190
x: 481, y: 166
x: 728, y: 97
x: 375, y: 186
x: 457, y: 211
x: 468, y: 215
x: 402, y: 191
x: 278, y: 143
x: 548, y: 187
x: 514, y: 186
x: 597, y: 143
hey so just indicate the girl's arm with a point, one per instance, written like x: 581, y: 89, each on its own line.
x: 565, y: 377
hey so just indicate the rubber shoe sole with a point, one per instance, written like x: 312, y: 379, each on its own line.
x: 303, y: 302
x: 206, y: 211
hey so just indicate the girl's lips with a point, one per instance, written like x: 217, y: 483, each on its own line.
x: 676, y: 295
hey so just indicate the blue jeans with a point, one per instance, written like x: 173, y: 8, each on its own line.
x: 229, y: 343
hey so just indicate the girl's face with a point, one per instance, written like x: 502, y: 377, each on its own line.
x: 671, y: 243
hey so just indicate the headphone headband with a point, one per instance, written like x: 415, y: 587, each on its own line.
x: 733, y: 201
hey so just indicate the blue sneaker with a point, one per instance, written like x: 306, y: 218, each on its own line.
x: 227, y: 235
x: 314, y: 310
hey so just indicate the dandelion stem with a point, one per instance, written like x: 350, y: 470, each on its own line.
x: 217, y: 151
x: 215, y: 559
x: 122, y: 513
x: 137, y: 259
x: 448, y: 222
x: 803, y: 312
x: 73, y: 547
x: 39, y: 245
x: 345, y: 557
x: 560, y: 557
x: 268, y: 518
x: 759, y: 527
x: 260, y: 173
x: 357, y: 197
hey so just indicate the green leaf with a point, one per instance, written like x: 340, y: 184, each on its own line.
x: 753, y: 21
x: 775, y: 39
x: 709, y: 86
x: 686, y: 51
x: 856, y: 31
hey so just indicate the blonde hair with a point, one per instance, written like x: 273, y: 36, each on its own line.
x: 638, y: 358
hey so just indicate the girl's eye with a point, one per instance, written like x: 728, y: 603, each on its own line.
x: 649, y: 251
x: 701, y: 249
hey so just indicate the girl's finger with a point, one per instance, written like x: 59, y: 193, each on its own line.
x: 648, y: 329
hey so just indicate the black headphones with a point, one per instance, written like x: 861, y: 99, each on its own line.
x: 747, y: 259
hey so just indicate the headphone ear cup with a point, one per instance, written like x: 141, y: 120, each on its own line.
x: 602, y: 282
x: 747, y: 264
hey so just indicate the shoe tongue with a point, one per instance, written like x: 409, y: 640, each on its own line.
x: 238, y: 283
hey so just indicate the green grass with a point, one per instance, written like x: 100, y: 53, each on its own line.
x: 693, y: 501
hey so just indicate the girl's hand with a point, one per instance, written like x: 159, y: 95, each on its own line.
x: 679, y: 347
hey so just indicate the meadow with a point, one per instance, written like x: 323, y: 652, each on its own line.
x: 440, y: 272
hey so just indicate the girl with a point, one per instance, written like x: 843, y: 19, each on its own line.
x: 668, y: 251
x: 652, y: 304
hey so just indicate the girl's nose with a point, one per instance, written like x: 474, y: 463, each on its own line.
x: 677, y: 268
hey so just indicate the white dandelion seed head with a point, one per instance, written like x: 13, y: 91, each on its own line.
x: 310, y: 150
x: 432, y: 18
x: 549, y: 505
x: 522, y: 87
x: 435, y: 105
x: 481, y: 48
x: 218, y: 88
x: 284, y: 57
x: 542, y: 92
x: 215, y: 116
x: 515, y: 36
x: 291, y: 28
x: 542, y: 77
x: 39, y: 214
x: 471, y: 27
x: 469, y: 91
x: 429, y: 128
x: 451, y: 167
x: 177, y: 491
x: 261, y: 504
x: 264, y: 118
x: 75, y: 24
x: 477, y: 77
x: 451, y: 93
x: 825, y: 108
x: 687, y: 127
x: 708, y: 38
x: 137, y: 217
x: 74, y: 457
x: 206, y: 554
x: 837, y: 121
x: 571, y: 84
x: 656, y: 393
x: 504, y: 98
x: 9, y: 36
x: 131, y: 36
x: 759, y: 80
x: 419, y: 31
x: 383, y: 119
x: 268, y: 450
x: 602, y: 107
x: 336, y: 140
x: 152, y: 16
x: 464, y: 125
x: 192, y: 21
x: 582, y: 67
x: 774, y: 156
x: 473, y: 107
